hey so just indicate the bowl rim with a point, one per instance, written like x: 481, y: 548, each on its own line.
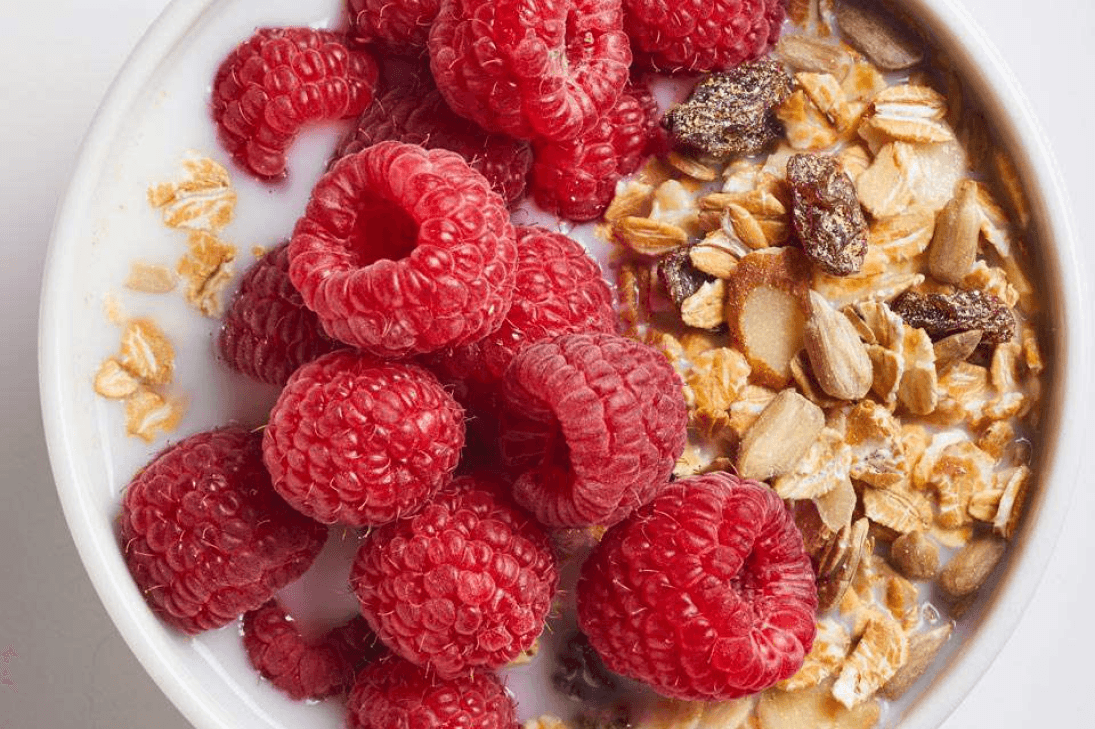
x: 147, y: 638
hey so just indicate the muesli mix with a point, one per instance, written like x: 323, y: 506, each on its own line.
x: 771, y: 467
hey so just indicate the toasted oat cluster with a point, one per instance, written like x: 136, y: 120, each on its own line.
x: 852, y: 316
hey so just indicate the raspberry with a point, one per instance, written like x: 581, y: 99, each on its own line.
x: 394, y: 693
x: 278, y: 81
x: 361, y: 441
x: 205, y: 536
x: 701, y: 35
x: 559, y: 290
x: 401, y: 26
x: 403, y: 250
x: 593, y: 424
x: 546, y: 69
x: 417, y: 114
x: 268, y: 332
x: 706, y: 593
x: 577, y: 178
x: 463, y: 585
x: 306, y: 669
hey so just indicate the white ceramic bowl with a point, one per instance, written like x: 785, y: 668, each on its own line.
x: 155, y: 111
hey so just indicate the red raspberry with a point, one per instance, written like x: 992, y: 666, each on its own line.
x: 277, y: 82
x: 361, y: 441
x: 463, y: 585
x: 403, y: 250
x: 577, y: 178
x: 205, y: 536
x: 546, y: 69
x: 394, y: 693
x: 402, y: 26
x: 706, y: 593
x: 301, y: 668
x: 268, y: 332
x: 593, y: 424
x: 417, y: 114
x: 701, y: 35
x: 560, y: 290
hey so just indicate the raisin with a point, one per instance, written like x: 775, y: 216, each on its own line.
x: 731, y: 114
x: 680, y: 278
x: 580, y: 674
x: 826, y: 214
x: 941, y: 315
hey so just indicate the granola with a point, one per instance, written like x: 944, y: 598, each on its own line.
x: 883, y: 388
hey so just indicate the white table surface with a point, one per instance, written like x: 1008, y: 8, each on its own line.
x: 57, y: 58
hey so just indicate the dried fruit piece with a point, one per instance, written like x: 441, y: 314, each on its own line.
x: 878, y: 38
x: 915, y: 556
x: 731, y: 114
x: 780, y: 436
x: 679, y: 277
x: 923, y: 648
x: 766, y: 310
x: 826, y: 213
x: 941, y: 315
x: 837, y: 355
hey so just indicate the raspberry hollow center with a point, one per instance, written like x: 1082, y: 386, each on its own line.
x: 382, y: 231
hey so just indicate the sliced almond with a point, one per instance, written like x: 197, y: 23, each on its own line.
x: 780, y: 436
x: 923, y: 648
x: 971, y: 567
x: 649, y: 237
x: 954, y: 245
x: 765, y: 309
x: 837, y: 355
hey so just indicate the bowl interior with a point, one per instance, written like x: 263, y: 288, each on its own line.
x: 155, y: 112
